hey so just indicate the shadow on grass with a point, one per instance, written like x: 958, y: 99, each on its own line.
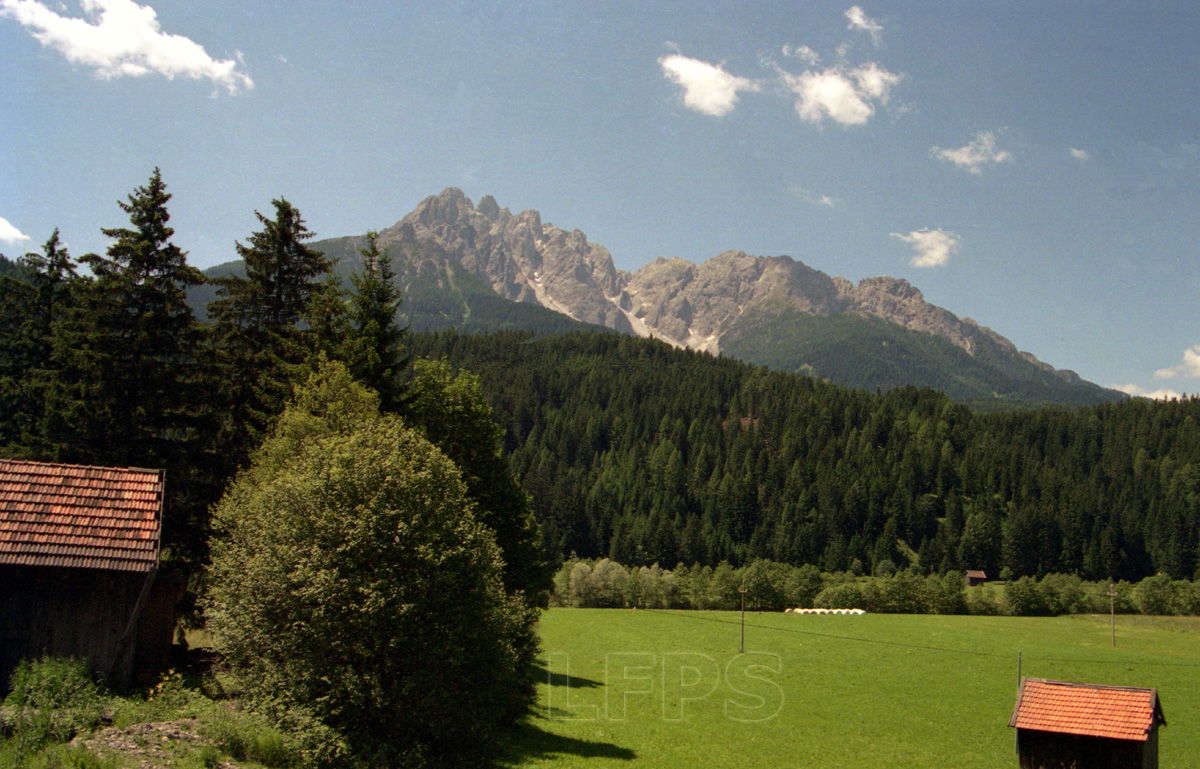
x: 542, y: 673
x: 528, y: 741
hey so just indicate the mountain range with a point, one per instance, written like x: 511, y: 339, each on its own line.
x: 481, y: 268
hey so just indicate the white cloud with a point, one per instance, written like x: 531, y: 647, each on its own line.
x: 1162, y: 394
x: 931, y: 248
x: 9, y: 233
x: 976, y: 154
x: 844, y: 96
x: 1189, y: 367
x: 813, y: 198
x: 707, y: 88
x: 803, y: 53
x: 1081, y: 155
x: 118, y: 38
x: 860, y: 20
x: 875, y: 81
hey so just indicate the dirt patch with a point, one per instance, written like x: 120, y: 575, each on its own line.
x: 151, y: 745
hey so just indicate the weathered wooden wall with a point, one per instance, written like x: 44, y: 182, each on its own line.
x: 1046, y: 750
x: 85, y: 613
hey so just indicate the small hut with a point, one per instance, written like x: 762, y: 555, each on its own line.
x: 1061, y: 725
x: 975, y: 577
x: 79, y: 570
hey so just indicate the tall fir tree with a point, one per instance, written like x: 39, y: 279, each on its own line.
x: 127, y: 387
x: 259, y: 341
x: 32, y: 300
x: 377, y: 356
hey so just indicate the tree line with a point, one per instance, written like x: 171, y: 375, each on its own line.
x: 764, y: 585
x: 640, y: 453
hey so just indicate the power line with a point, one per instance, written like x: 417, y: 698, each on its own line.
x: 923, y: 647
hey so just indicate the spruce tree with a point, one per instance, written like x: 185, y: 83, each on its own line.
x: 130, y: 345
x: 259, y: 342
x: 127, y: 388
x: 32, y: 300
x: 376, y: 347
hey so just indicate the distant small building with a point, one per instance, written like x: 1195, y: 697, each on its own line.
x: 79, y: 569
x: 1064, y: 725
x: 975, y: 577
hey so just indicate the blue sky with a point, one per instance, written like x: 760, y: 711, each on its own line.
x: 1034, y: 166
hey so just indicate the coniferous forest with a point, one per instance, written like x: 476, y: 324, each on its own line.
x: 643, y: 454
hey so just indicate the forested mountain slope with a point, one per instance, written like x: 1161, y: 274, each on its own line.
x: 644, y: 453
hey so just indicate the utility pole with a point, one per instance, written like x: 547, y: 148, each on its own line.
x: 1112, y: 611
x: 742, y: 643
x: 1017, y: 736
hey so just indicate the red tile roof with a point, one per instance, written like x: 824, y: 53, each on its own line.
x: 79, y: 516
x: 1092, y: 710
x: 976, y: 574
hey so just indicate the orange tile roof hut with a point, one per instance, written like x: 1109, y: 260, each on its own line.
x: 79, y: 568
x: 1062, y: 724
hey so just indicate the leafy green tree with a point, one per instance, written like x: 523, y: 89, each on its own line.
x: 452, y: 411
x: 846, y: 595
x: 354, y: 583
x: 1024, y: 597
x: 609, y: 581
x: 1064, y: 593
x: 763, y: 582
x: 723, y: 588
x: 947, y: 593
x: 802, y: 585
x: 1156, y: 595
x: 581, y: 591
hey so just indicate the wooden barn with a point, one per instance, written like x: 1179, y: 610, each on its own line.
x: 79, y: 572
x: 975, y: 577
x: 1064, y: 725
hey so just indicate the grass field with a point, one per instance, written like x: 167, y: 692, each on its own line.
x: 669, y: 689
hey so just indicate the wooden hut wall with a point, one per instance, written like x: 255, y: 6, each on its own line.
x: 68, y: 612
x: 1048, y: 750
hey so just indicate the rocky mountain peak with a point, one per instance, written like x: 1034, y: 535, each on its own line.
x: 488, y: 207
x: 685, y: 304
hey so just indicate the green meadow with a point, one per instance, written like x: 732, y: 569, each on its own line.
x: 670, y: 689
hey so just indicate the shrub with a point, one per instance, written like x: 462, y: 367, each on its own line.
x: 1063, y: 593
x: 1187, y: 597
x: 54, y: 757
x: 1024, y: 598
x: 52, y: 699
x: 847, y: 595
x: 947, y: 594
x: 901, y: 593
x: 355, y: 589
x: 802, y: 585
x: 1155, y: 595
